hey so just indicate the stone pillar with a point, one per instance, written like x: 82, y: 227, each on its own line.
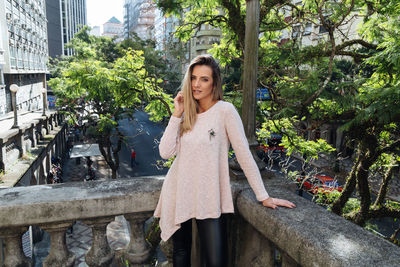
x: 100, y: 253
x: 59, y: 254
x: 50, y: 122
x: 3, y: 154
x: 42, y: 175
x: 55, y: 118
x: 13, y: 253
x: 1, y: 251
x: 38, y: 132
x: 138, y: 251
x: 47, y: 161
x: 247, y: 245
x: 19, y: 140
x: 63, y: 136
x: 33, y: 177
x: 45, y: 124
x: 32, y: 135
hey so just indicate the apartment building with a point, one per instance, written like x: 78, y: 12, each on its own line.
x: 204, y: 39
x: 309, y: 33
x: 64, y: 19
x: 23, y: 53
x: 139, y: 16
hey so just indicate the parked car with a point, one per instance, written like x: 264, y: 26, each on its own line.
x: 319, y: 184
x: 272, y: 146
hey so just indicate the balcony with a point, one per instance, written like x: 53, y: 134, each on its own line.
x: 306, y: 236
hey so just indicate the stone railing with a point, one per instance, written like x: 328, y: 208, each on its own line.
x: 26, y: 152
x: 15, y: 142
x: 305, y: 236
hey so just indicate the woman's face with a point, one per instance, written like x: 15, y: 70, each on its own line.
x: 202, y: 82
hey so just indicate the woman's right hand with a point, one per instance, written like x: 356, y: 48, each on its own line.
x: 178, y: 103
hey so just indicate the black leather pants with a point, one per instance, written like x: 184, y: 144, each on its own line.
x: 212, y: 233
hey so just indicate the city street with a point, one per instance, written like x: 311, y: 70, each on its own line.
x: 143, y: 135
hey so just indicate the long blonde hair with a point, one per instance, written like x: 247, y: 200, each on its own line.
x: 191, y: 105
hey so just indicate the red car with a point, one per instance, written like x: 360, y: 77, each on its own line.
x: 319, y: 183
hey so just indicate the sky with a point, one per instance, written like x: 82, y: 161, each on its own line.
x: 100, y: 11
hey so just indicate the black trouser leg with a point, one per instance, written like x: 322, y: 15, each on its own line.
x: 182, y: 241
x: 213, y: 241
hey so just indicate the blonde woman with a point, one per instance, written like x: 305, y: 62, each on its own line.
x: 197, y: 185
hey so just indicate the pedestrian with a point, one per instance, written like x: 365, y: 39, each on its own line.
x: 197, y: 186
x: 77, y: 133
x: 133, y: 158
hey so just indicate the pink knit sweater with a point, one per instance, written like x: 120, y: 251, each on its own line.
x: 197, y: 184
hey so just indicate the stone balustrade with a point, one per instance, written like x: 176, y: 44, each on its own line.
x: 306, y: 236
x: 42, y: 137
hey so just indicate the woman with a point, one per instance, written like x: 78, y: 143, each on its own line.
x: 197, y: 185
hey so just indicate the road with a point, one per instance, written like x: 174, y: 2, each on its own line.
x: 143, y: 135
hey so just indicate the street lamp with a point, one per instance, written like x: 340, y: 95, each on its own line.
x: 44, y: 91
x: 14, y: 89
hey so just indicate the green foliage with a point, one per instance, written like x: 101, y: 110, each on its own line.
x: 327, y: 198
x: 291, y: 140
x: 102, y: 82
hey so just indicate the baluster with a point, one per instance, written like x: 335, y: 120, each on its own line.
x: 13, y: 253
x: 138, y: 251
x: 100, y: 253
x: 59, y: 254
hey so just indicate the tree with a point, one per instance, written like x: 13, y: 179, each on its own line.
x: 107, y: 88
x: 344, y: 79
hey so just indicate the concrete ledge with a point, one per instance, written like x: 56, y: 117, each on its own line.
x: 44, y: 204
x: 313, y: 236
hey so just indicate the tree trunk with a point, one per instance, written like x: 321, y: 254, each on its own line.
x: 113, y: 173
x: 364, y: 190
x: 349, y: 187
x: 384, y: 186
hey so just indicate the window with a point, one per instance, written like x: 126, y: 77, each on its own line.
x: 19, y: 58
x: 13, y: 61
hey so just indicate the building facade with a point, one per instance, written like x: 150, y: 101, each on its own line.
x: 139, y: 16
x: 113, y: 28
x: 64, y: 19
x: 164, y: 29
x: 95, y: 31
x: 23, y: 53
x: 204, y: 39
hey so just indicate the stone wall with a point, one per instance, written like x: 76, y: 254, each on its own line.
x: 29, y: 95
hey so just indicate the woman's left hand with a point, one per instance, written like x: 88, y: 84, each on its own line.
x: 273, y: 203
